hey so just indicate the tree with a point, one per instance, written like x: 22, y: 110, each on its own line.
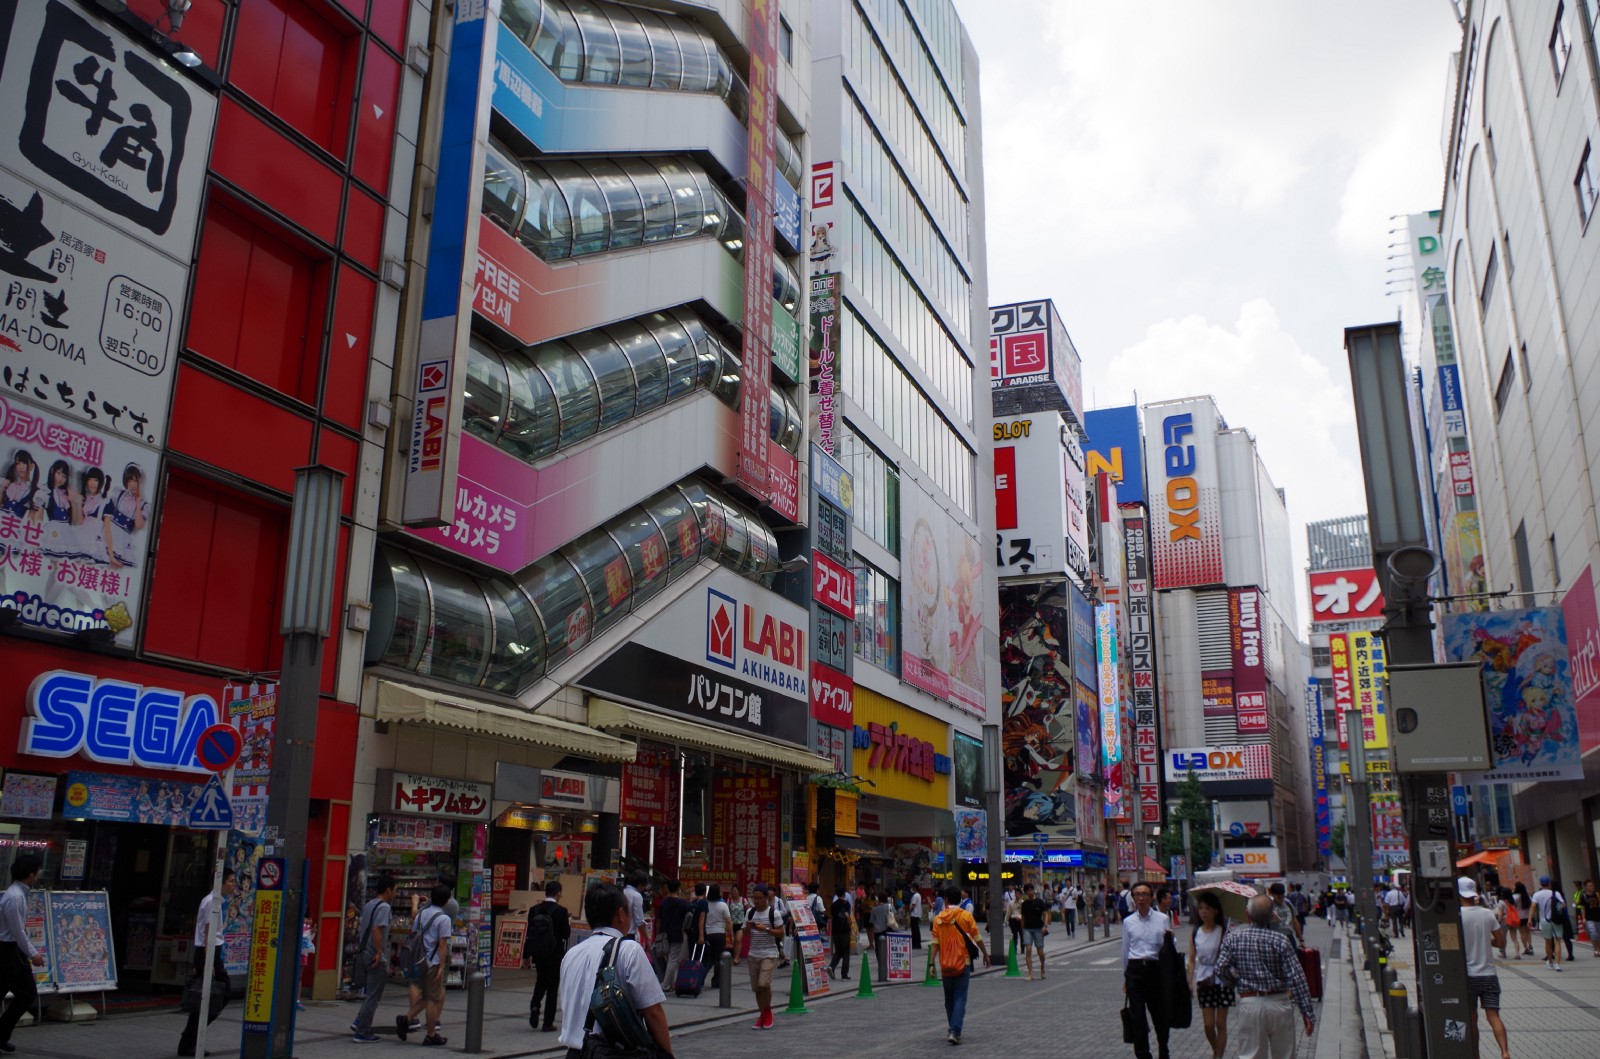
x: 1193, y: 807
x: 1336, y: 840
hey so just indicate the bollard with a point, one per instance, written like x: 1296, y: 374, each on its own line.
x: 1391, y: 981
x: 1012, y: 970
x: 1398, y: 1011
x: 725, y: 980
x: 474, y: 1009
x: 880, y: 951
x: 1414, y: 1034
x: 864, y: 990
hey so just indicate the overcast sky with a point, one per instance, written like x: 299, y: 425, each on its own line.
x: 1205, y: 190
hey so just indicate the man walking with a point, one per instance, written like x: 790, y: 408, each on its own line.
x: 549, y: 930
x: 372, y: 959
x: 953, y: 929
x: 1035, y: 914
x: 1297, y: 900
x: 606, y: 910
x: 1263, y: 967
x: 878, y: 932
x: 1142, y: 934
x: 1547, y: 899
x: 916, y: 917
x: 842, y: 928
x: 669, y: 920
x: 18, y: 957
x: 1590, y: 903
x: 1481, y: 932
x: 1069, y: 908
x: 768, y: 926
x: 634, y: 892
x: 425, y: 980
x: 219, y: 972
x: 1394, y: 902
x: 1283, y: 915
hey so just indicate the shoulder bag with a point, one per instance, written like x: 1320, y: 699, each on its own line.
x: 623, y: 1034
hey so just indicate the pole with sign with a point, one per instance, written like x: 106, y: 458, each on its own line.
x: 217, y: 749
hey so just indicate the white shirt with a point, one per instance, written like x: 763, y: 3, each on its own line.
x: 202, y: 921
x: 1543, y: 897
x: 1142, y: 936
x: 1394, y: 898
x: 1477, y: 925
x: 14, y: 918
x: 636, y: 906
x: 578, y: 970
x: 916, y: 904
x: 1206, y: 948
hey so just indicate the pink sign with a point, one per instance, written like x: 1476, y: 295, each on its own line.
x: 490, y: 525
x: 1583, y: 649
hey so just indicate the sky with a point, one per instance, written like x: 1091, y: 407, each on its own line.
x: 1207, y: 191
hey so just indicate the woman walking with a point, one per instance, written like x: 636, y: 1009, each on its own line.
x: 842, y: 927
x: 1522, y: 906
x: 714, y: 931
x: 1213, y: 997
x: 738, y: 940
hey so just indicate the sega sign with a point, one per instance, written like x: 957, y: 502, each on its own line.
x: 115, y: 722
x: 1221, y: 763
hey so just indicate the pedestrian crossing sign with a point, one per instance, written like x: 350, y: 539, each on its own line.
x: 211, y: 811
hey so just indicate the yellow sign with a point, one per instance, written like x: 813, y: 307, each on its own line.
x: 1369, y: 686
x: 905, y: 753
x: 263, y: 966
x: 846, y: 808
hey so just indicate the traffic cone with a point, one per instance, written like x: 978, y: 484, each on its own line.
x: 797, y: 991
x: 1012, y: 970
x: 930, y: 977
x: 1583, y: 931
x: 864, y: 990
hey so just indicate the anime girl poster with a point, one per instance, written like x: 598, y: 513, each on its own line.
x: 1527, y: 680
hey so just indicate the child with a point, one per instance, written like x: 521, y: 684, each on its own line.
x: 308, y: 945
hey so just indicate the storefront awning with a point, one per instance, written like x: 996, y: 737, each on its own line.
x: 405, y: 704
x: 851, y: 844
x: 1478, y: 858
x: 603, y: 713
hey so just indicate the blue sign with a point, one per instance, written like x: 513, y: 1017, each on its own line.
x: 1236, y: 829
x: 1116, y: 446
x: 128, y: 799
x: 1084, y: 664
x: 786, y: 212
x: 831, y: 481
x: 1094, y: 861
x: 115, y: 722
x: 212, y: 811
x: 1450, y: 387
x: 1459, y: 800
x: 1053, y: 858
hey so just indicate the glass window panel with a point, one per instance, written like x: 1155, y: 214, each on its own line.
x: 679, y: 527
x: 400, y: 608
x: 560, y: 44
x: 681, y: 356
x: 735, y: 552
x: 533, y: 424
x: 775, y: 413
x: 604, y: 570
x: 484, y: 403
x: 576, y: 395
x: 461, y: 635
x: 686, y: 195
x: 518, y: 640
x: 602, y: 55
x: 697, y: 58
x: 587, y: 203
x: 707, y: 512
x: 563, y: 605
x: 635, y: 44
x: 624, y: 208
x: 522, y: 18
x: 728, y: 376
x: 504, y: 190
x: 660, y: 212
x: 612, y: 373
x: 547, y: 222
x: 649, y: 365
x: 665, y: 50
x: 646, y: 552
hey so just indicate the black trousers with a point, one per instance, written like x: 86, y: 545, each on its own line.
x: 191, y: 1029
x: 546, y: 987
x: 16, y: 975
x: 1143, y: 978
x: 916, y: 932
x: 842, y: 944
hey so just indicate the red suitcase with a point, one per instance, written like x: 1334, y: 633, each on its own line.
x: 1311, y: 964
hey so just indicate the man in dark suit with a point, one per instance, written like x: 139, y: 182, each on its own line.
x: 544, y: 950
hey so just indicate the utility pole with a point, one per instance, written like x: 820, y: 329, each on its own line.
x: 1357, y: 827
x: 993, y: 781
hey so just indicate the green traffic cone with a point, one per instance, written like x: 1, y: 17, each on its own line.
x: 1012, y: 970
x: 930, y: 977
x: 864, y: 990
x: 797, y: 990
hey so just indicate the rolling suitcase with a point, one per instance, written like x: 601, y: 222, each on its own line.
x: 691, y: 973
x: 1311, y: 964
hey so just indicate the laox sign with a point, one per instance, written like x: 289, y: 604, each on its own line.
x: 1183, y: 492
x: 115, y: 722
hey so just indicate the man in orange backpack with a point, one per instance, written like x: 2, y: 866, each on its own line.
x: 958, y: 943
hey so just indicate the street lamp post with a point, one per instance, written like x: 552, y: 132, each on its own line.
x: 307, y: 604
x: 993, y: 780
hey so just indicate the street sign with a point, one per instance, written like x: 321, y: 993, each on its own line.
x: 212, y: 811
x: 218, y: 747
x: 1458, y: 800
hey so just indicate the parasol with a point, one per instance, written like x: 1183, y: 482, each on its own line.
x: 1235, y: 898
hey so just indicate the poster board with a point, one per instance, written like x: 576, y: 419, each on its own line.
x: 35, y: 922
x: 27, y: 797
x: 510, y: 935
x: 81, y: 958
x: 573, y: 888
x: 813, y: 950
x: 899, y: 956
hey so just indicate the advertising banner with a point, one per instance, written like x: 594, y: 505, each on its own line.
x: 744, y: 828
x: 1319, y: 767
x: 1221, y: 762
x: 1105, y: 625
x: 129, y: 799
x: 253, y: 709
x: 433, y: 796
x: 824, y: 366
x: 1141, y: 643
x: 1030, y: 495
x: 36, y: 921
x: 899, y: 956
x: 902, y: 750
x: 966, y: 753
x: 972, y: 834
x: 1583, y: 649
x: 1369, y: 681
x: 1343, y: 689
x: 1254, y: 862
x: 1345, y: 595
x: 81, y: 956
x: 832, y: 696
x: 1029, y: 349
x: 1216, y: 695
x: 1038, y: 731
x: 74, y: 522
x: 1084, y: 667
x: 1116, y: 447
x: 1090, y: 822
x: 941, y: 583
x: 28, y: 797
x: 1249, y: 660
x: 1527, y: 678
x: 510, y: 935
x: 761, y: 173
x: 644, y: 789
x: 1185, y: 505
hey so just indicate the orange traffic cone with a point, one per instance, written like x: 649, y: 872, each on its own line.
x: 1583, y: 930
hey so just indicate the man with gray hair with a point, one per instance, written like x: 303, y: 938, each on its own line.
x: 1264, y: 969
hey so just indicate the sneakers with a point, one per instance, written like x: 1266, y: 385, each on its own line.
x: 763, y: 1021
x: 403, y: 1026
x: 355, y: 1027
x: 433, y: 1041
x: 365, y: 1038
x: 954, y: 1038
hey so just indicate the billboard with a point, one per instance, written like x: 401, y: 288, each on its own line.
x: 966, y: 753
x: 941, y: 587
x: 825, y: 367
x: 1116, y: 446
x: 1369, y: 684
x: 1032, y: 362
x: 1262, y: 862
x: 1345, y: 595
x: 1038, y: 728
x: 1248, y: 819
x: 1031, y: 495
x: 761, y: 171
x: 1583, y: 652
x: 1527, y: 678
x: 1105, y: 637
x: 1249, y: 660
x: 1185, y: 506
x: 1319, y: 767
x: 1252, y: 762
x: 1141, y: 644
x: 1091, y: 827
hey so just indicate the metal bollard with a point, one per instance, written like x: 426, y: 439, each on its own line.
x: 474, y: 1009
x: 1414, y: 1034
x: 725, y: 980
x: 1399, y: 1009
x: 1392, y: 989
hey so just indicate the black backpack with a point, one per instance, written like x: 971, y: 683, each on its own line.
x: 842, y: 922
x: 414, y: 953
x: 541, y: 934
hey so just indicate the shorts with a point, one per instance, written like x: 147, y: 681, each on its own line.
x: 430, y: 982
x: 1211, y: 995
x: 1033, y: 936
x: 1549, y: 928
x: 1485, y: 991
x: 761, y: 968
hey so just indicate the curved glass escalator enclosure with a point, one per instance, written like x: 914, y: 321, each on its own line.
x: 502, y: 634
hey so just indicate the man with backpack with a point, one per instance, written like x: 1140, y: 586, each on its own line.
x: 956, y: 940
x: 424, y: 961
x: 604, y: 955
x: 842, y: 928
x: 371, y: 966
x: 768, y: 926
x: 549, y: 929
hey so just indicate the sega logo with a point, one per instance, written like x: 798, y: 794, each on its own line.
x: 115, y: 722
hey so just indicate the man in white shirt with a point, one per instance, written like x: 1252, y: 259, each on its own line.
x: 606, y: 909
x: 1142, y: 935
x: 1395, y: 902
x: 1479, y: 930
x: 202, y: 922
x: 1069, y: 909
x: 636, y: 901
x: 767, y: 923
x: 18, y: 957
x: 1548, y: 900
x: 916, y: 918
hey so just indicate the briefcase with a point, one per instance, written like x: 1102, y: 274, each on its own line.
x: 1130, y: 1034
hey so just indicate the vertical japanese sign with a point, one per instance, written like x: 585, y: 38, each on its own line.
x: 1142, y: 666
x: 1368, y: 675
x: 1583, y: 649
x: 645, y: 782
x: 744, y: 828
x: 756, y: 387
x: 1105, y: 628
x: 253, y: 709
x: 1343, y: 692
x: 434, y: 444
x: 825, y: 361
x: 264, y: 954
x: 1319, y: 768
x: 1249, y: 660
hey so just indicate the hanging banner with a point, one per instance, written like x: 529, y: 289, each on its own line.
x: 1105, y: 624
x: 129, y: 799
x: 744, y: 828
x: 28, y: 797
x: 1249, y: 660
x: 1369, y: 679
x: 644, y: 789
x: 941, y: 582
x: 1583, y: 649
x: 1040, y: 729
x: 1319, y: 768
x: 1142, y: 662
x: 253, y: 709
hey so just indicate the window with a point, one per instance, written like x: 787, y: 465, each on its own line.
x: 877, y: 617
x: 1522, y: 359
x: 1490, y: 272
x: 1488, y: 149
x: 299, y: 65
x: 1502, y: 389
x: 1505, y: 244
x: 785, y: 40
x: 1519, y: 544
x: 1320, y: 657
x: 1585, y: 185
x: 1560, y: 43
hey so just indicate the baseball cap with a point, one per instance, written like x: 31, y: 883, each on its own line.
x: 1466, y: 887
x: 1544, y: 880
x: 760, y: 888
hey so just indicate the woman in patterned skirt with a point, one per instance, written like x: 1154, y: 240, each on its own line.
x: 1213, y: 997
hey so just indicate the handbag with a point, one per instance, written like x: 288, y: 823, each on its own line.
x: 191, y: 995
x: 1513, y: 917
x: 1129, y: 1030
